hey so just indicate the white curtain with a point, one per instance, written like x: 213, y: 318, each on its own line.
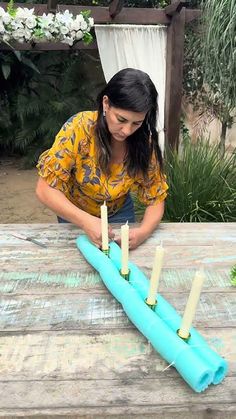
x: 137, y: 46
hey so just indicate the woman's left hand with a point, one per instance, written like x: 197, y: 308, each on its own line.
x: 136, y: 237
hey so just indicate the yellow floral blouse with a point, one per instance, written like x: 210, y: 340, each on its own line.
x: 70, y: 166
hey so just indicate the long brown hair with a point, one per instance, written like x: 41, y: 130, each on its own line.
x: 131, y: 90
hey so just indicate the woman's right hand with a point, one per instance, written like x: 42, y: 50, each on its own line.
x: 93, y: 228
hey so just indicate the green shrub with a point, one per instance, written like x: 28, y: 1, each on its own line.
x: 202, y: 184
x: 45, y: 100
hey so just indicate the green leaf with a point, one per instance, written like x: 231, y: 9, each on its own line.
x: 11, y: 8
x: 17, y: 54
x: 87, y: 38
x: 30, y: 64
x: 233, y: 276
x: 6, y: 69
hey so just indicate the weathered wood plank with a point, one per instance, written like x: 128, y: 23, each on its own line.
x: 26, y: 258
x: 69, y: 258
x: 171, y: 280
x: 127, y: 396
x: 183, y: 412
x: 81, y: 311
x: 211, y: 246
x: 111, y: 355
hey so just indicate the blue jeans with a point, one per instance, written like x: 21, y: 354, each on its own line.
x: 126, y: 213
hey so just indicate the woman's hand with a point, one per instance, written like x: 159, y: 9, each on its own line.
x: 136, y: 237
x: 93, y: 228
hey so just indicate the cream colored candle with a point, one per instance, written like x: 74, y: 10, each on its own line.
x: 191, y: 305
x: 104, y: 222
x: 156, y: 270
x: 124, y: 248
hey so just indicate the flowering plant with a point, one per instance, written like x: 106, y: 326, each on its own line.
x: 22, y: 25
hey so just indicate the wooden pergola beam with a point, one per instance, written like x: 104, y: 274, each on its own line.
x: 128, y: 15
x: 174, y: 78
x: 45, y: 46
x: 174, y: 7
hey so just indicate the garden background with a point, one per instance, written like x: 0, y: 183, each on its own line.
x: 40, y: 90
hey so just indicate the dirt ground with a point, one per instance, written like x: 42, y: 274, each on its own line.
x: 18, y: 203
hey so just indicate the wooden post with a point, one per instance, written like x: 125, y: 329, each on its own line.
x: 115, y: 7
x: 52, y: 6
x: 174, y: 77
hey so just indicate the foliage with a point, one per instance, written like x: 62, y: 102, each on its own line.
x: 202, y: 185
x: 219, y: 48
x: 233, y: 276
x: 8, y: 60
x: 44, y: 102
x: 210, y: 62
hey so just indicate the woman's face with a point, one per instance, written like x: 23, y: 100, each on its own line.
x: 121, y: 123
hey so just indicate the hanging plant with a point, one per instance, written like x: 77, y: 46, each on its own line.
x: 22, y: 25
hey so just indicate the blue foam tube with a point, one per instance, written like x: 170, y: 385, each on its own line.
x: 174, y: 350
x: 169, y: 315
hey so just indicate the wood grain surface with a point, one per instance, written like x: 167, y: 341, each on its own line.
x: 67, y: 349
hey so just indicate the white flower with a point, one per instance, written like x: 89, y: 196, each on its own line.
x: 91, y: 21
x: 76, y: 25
x: 2, y: 12
x: 6, y: 37
x: 6, y: 18
x: 79, y: 18
x: 31, y: 22
x: 64, y: 30
x: 68, y: 40
x: 84, y: 26
x: 24, y: 13
x: 27, y: 34
x: 25, y: 26
x: 46, y: 20
x: 17, y: 24
x: 65, y: 17
x: 79, y: 35
x: 18, y: 33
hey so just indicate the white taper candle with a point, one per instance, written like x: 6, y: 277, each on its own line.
x: 104, y: 222
x: 156, y: 270
x: 191, y: 305
x: 124, y: 248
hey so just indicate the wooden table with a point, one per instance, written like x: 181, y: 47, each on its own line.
x: 67, y: 347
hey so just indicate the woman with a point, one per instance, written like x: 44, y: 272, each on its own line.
x: 103, y: 156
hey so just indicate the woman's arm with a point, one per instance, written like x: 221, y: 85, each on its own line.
x: 152, y: 217
x: 58, y: 203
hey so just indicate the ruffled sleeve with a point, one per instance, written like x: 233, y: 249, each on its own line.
x: 153, y: 190
x: 55, y: 165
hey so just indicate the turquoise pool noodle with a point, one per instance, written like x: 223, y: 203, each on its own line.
x: 169, y: 315
x: 173, y: 349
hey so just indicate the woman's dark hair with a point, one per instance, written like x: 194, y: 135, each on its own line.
x: 131, y: 90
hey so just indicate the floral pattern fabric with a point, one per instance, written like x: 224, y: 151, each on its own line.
x: 70, y: 166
